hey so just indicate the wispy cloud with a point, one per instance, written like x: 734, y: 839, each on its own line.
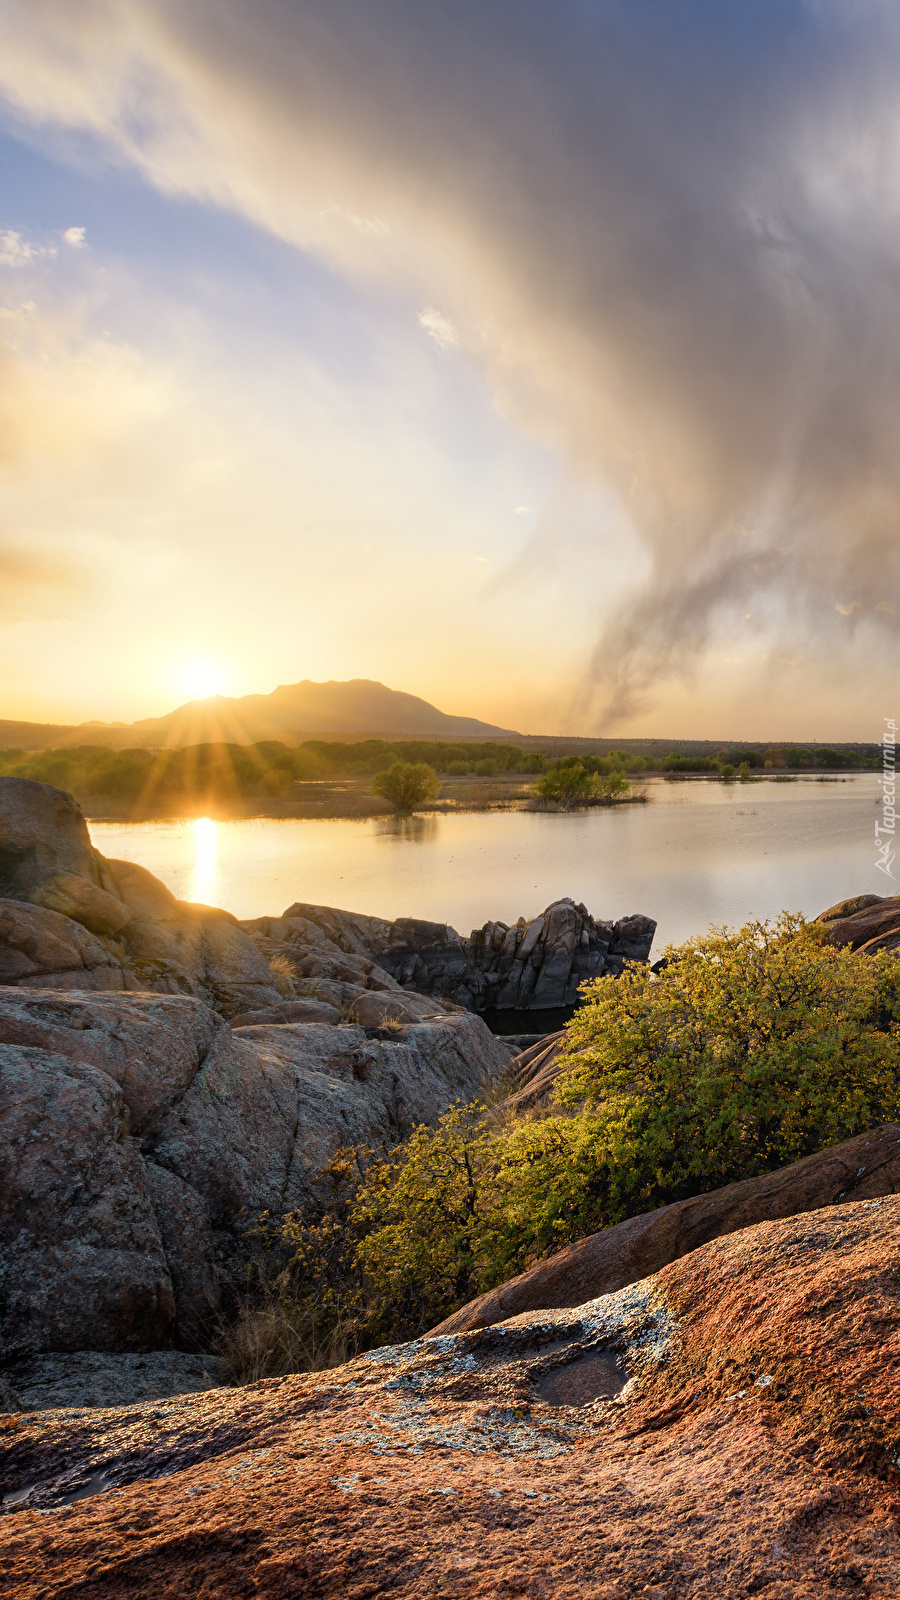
x: 440, y: 328
x: 378, y: 226
x: 18, y: 252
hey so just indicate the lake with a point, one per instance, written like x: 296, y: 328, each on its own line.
x: 697, y: 853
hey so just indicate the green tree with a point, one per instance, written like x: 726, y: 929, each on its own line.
x: 407, y: 785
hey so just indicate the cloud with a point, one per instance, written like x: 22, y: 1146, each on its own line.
x: 18, y: 252
x: 74, y: 237
x: 374, y: 225
x: 851, y: 609
x: 667, y: 234
x: 439, y: 327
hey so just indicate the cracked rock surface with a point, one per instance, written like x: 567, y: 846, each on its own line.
x: 728, y: 1427
x: 140, y: 1135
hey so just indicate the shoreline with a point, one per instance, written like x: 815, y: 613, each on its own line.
x: 336, y: 811
x: 351, y: 799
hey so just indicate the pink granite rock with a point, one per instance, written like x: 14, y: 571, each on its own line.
x: 724, y: 1429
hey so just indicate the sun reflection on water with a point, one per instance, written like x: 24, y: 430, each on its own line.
x: 205, y: 880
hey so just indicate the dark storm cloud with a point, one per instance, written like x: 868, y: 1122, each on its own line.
x: 667, y: 228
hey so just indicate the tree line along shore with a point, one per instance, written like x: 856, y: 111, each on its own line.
x: 322, y: 777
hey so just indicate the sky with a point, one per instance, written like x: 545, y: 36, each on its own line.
x: 539, y: 357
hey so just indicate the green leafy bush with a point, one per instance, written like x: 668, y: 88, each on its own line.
x: 570, y: 783
x: 407, y: 785
x: 565, y: 786
x: 749, y: 1050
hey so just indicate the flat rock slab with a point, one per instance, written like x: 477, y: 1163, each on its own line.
x: 89, y: 1378
x: 751, y: 1449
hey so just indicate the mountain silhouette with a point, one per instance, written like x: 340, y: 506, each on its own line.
x: 291, y: 713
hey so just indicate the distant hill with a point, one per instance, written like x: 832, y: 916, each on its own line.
x: 292, y: 713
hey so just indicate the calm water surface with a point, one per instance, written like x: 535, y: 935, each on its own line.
x: 698, y: 853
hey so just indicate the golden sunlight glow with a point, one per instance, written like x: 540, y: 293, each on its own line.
x: 200, y: 678
x: 205, y: 880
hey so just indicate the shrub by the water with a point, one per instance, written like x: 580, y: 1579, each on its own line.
x: 407, y: 784
x: 749, y: 1050
x: 570, y: 783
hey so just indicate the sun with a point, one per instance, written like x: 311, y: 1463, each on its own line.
x: 200, y: 678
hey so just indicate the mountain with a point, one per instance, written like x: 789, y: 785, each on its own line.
x: 293, y: 712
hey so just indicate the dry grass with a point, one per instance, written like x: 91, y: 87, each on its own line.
x: 481, y: 796
x: 272, y: 1340
x: 282, y: 972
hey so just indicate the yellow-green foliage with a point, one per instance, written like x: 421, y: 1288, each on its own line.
x: 407, y: 785
x: 749, y: 1050
x: 570, y: 783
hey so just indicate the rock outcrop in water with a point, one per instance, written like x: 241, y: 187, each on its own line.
x: 140, y: 1136
x: 536, y: 965
x: 726, y: 1428
x: 71, y: 919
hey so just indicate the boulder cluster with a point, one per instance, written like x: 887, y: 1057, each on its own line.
x: 72, y: 919
x: 532, y: 966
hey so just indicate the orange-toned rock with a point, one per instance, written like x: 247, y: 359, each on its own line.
x: 726, y: 1429
x: 861, y: 922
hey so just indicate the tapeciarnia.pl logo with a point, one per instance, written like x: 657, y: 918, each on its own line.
x: 886, y: 828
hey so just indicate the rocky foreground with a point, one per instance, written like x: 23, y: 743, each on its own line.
x: 726, y: 1428
x: 658, y: 1409
x: 168, y: 1074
